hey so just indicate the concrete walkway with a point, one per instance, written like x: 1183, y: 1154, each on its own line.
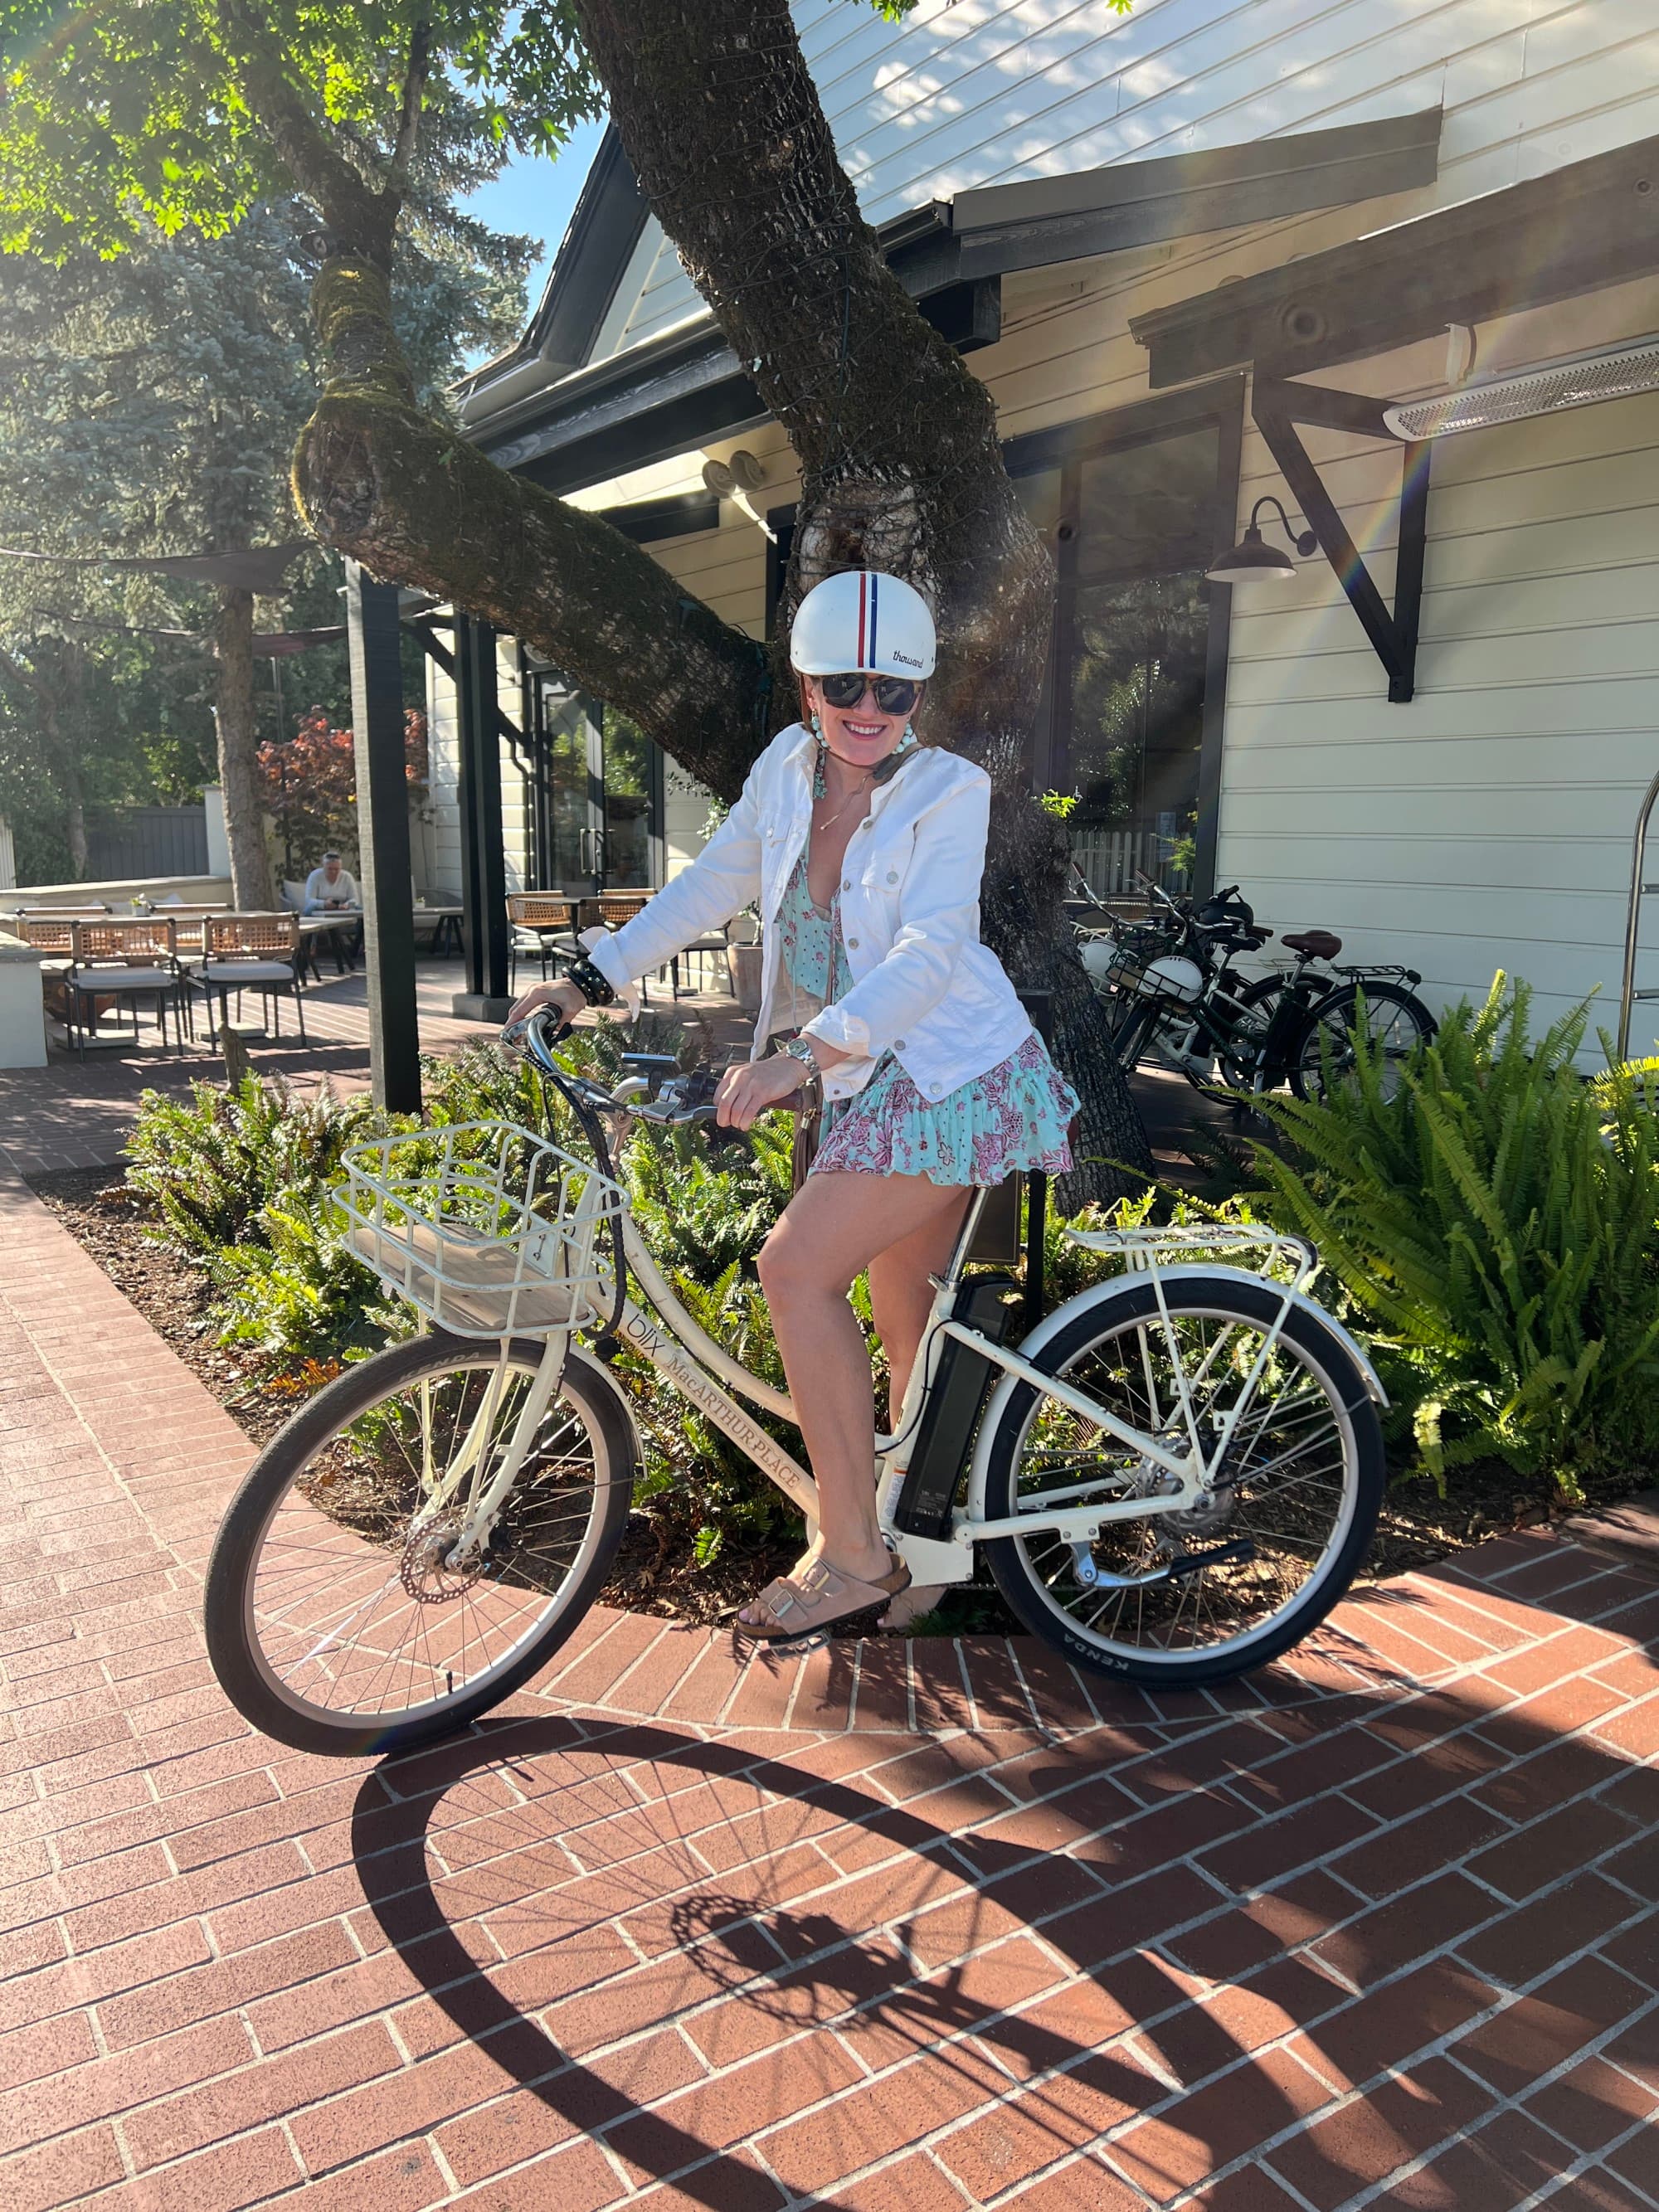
x: 884, y: 1930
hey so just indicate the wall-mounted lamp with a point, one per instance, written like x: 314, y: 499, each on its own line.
x: 1252, y: 558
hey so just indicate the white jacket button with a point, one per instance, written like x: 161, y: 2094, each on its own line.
x: 847, y: 882
x: 892, y: 875
x: 898, y: 1044
x: 852, y: 945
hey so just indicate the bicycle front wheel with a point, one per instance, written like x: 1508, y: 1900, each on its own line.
x: 337, y: 1619
x: 1198, y: 1596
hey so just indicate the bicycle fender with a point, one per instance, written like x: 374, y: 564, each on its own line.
x: 1061, y: 1318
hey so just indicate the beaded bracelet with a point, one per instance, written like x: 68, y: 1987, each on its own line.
x: 592, y: 985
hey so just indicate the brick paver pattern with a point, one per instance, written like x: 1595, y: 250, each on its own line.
x: 881, y: 1929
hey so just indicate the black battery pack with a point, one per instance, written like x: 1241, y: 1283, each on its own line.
x: 962, y: 1381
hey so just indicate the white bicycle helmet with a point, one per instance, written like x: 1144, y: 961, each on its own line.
x: 862, y: 619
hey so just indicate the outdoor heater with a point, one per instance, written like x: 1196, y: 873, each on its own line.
x: 1550, y: 388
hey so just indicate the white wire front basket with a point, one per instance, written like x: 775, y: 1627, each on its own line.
x: 486, y: 1229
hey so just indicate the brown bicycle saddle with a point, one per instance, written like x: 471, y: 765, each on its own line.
x: 1316, y: 944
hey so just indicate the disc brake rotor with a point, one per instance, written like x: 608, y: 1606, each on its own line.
x: 425, y: 1570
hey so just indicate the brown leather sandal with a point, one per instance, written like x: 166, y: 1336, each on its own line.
x: 820, y: 1597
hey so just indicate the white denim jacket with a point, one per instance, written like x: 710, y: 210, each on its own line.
x: 924, y: 987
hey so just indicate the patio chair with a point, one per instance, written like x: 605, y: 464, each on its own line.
x: 613, y: 909
x: 716, y: 944
x: 543, y: 927
x: 260, y: 952
x: 117, y: 963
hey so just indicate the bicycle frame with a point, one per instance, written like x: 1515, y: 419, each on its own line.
x: 687, y: 1357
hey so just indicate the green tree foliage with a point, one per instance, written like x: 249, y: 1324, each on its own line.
x: 1497, y: 1223
x: 148, y: 405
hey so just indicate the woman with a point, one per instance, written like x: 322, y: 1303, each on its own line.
x: 866, y: 851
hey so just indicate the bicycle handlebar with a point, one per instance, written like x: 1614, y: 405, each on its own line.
x: 535, y: 1036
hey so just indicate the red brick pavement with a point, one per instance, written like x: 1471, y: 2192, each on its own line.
x: 876, y: 1930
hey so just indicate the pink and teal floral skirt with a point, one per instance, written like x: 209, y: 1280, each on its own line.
x: 1015, y: 1117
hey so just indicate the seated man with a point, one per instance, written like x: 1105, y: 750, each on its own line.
x: 329, y: 889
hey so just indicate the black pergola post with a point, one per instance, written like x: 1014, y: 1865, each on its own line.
x: 377, y: 719
x: 483, y: 860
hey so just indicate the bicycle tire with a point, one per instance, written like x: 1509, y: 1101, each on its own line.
x: 1306, y: 1065
x: 245, y: 1671
x: 1118, y: 1307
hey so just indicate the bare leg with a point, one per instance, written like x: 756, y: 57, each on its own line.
x: 830, y: 1234
x: 901, y: 1298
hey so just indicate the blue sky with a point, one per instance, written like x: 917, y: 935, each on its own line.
x: 536, y: 195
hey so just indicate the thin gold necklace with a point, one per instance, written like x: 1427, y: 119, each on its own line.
x: 828, y: 819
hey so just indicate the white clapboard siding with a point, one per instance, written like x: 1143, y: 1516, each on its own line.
x: 1487, y: 823
x: 993, y: 91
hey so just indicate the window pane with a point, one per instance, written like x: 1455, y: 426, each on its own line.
x: 1137, y: 728
x: 1148, y: 510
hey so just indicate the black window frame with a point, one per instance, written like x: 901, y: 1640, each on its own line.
x: 1219, y: 404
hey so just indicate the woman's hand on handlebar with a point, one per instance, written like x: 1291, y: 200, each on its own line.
x: 754, y: 1088
x: 565, y: 997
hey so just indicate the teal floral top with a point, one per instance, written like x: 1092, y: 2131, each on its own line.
x: 1015, y: 1117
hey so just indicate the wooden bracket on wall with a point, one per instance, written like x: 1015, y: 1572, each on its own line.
x: 1278, y: 405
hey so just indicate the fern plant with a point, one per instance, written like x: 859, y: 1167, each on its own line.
x: 1494, y: 1220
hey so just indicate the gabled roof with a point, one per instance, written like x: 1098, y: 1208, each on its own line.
x: 549, y: 408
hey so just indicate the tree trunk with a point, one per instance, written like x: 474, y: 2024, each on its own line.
x: 902, y: 471
x: 902, y: 466
x: 239, y: 744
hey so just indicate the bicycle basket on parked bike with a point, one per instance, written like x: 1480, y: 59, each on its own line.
x: 486, y: 1229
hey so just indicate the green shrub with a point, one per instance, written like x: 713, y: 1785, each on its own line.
x: 209, y: 1164
x: 1494, y: 1221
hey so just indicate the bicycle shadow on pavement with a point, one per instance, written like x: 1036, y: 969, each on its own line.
x: 716, y: 1940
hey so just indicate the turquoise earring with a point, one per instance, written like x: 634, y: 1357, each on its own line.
x: 817, y: 727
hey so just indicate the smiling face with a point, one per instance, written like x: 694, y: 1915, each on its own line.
x: 860, y: 735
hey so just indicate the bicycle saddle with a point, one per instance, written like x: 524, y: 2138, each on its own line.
x: 1316, y: 943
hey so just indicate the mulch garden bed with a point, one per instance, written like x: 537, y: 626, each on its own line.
x: 656, y: 1571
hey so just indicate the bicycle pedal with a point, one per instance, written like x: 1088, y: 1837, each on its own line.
x: 1239, y: 1553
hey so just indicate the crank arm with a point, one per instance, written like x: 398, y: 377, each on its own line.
x: 1239, y: 1553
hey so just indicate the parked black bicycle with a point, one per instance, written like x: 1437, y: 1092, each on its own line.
x: 1181, y: 1001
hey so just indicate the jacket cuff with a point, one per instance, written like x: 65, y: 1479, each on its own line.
x: 846, y: 1032
x: 600, y: 945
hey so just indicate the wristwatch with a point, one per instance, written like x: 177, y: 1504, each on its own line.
x: 799, y: 1049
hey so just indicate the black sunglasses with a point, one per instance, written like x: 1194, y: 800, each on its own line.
x: 894, y: 695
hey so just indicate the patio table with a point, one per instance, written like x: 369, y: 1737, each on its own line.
x: 314, y: 928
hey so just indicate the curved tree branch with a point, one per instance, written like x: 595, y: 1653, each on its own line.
x: 359, y: 217
x: 408, y: 119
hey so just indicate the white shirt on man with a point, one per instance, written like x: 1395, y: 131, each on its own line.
x: 320, y: 892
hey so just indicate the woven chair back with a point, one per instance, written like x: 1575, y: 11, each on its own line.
x: 135, y: 943
x: 618, y: 907
x: 250, y: 936
x: 540, y: 909
x: 46, y: 932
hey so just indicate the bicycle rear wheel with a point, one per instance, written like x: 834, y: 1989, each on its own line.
x: 1199, y: 1596
x: 1395, y: 1020
x: 336, y: 1621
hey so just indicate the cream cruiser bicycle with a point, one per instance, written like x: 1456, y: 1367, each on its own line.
x: 1173, y: 1476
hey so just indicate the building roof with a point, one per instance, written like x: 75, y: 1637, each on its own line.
x: 551, y: 409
